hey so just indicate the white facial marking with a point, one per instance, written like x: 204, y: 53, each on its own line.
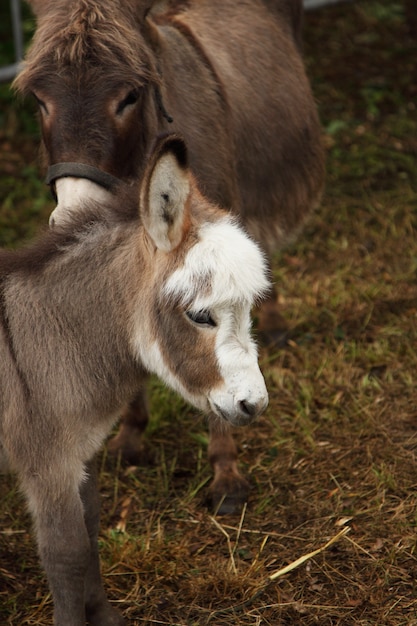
x: 225, y: 261
x: 72, y: 195
x: 243, y: 394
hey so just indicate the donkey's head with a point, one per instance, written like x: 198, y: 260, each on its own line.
x: 94, y: 79
x: 203, y: 275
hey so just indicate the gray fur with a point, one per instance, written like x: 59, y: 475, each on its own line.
x: 69, y: 309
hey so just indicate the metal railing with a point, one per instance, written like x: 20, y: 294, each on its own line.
x: 8, y: 72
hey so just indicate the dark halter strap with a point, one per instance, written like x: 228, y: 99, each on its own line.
x: 81, y: 170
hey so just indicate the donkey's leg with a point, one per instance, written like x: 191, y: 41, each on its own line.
x: 129, y: 440
x: 272, y: 327
x: 98, y: 609
x: 63, y: 542
x: 229, y: 490
x: 68, y: 549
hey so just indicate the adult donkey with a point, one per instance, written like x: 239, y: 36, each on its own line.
x: 84, y: 313
x: 110, y: 75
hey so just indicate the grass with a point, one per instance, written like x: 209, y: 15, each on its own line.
x: 337, y: 445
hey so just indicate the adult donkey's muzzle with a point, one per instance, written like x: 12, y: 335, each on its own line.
x: 76, y: 191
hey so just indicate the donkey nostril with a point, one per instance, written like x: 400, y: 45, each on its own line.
x: 247, y: 409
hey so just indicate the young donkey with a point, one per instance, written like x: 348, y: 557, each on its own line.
x: 85, y: 312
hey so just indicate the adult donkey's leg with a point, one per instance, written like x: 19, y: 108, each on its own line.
x: 98, y: 609
x: 129, y: 440
x: 272, y: 327
x: 229, y: 489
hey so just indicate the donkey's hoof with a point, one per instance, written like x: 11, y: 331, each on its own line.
x: 228, y: 496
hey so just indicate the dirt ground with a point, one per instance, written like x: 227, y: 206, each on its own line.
x: 334, y: 456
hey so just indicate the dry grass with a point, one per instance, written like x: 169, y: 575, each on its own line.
x: 337, y: 446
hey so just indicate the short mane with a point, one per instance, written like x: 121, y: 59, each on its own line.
x: 88, y: 34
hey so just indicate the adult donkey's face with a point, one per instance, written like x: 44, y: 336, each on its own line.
x: 92, y: 76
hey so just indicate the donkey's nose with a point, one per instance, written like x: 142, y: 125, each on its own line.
x: 250, y: 410
x: 247, y: 408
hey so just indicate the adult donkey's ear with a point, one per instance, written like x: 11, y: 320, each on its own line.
x: 164, y: 193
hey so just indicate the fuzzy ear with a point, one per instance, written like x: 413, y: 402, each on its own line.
x: 164, y: 193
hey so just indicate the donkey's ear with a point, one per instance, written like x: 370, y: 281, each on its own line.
x: 142, y: 11
x: 164, y: 193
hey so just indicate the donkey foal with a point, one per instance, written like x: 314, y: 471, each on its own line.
x: 85, y: 312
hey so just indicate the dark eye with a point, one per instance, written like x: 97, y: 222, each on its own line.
x: 131, y: 98
x: 40, y: 102
x: 202, y: 318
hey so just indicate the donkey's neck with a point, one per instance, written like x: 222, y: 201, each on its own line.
x: 69, y: 315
